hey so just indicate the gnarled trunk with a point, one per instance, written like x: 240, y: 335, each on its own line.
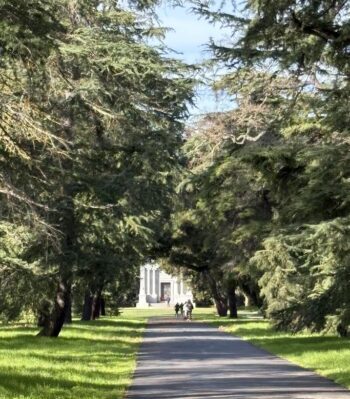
x: 219, y: 299
x: 53, y: 322
x: 221, y: 307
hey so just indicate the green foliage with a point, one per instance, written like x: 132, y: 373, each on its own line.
x: 307, y: 40
x: 306, y: 277
x: 293, y: 33
x: 91, y: 124
x: 288, y: 68
x: 225, y: 212
x: 22, y: 284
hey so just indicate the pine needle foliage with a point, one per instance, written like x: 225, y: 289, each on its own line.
x: 288, y: 70
x: 96, y: 116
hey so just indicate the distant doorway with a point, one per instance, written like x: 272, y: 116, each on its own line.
x: 164, y: 291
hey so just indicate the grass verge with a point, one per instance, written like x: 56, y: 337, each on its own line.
x: 328, y: 355
x: 90, y: 360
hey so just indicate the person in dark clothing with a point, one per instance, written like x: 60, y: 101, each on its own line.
x: 177, y: 308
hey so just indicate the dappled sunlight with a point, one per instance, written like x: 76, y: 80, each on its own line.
x: 90, y: 360
x: 327, y: 354
x: 178, y: 359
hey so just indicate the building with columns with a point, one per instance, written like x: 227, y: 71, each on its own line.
x: 157, y: 286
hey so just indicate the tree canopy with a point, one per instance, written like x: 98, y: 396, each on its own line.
x: 96, y: 117
x: 268, y: 179
x: 99, y: 171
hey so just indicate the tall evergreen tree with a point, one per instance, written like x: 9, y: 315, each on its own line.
x: 304, y: 44
x: 114, y: 108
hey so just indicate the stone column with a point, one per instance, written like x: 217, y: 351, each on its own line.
x: 146, y: 279
x: 184, y: 288
x: 158, y: 284
x: 154, y: 283
x: 142, y: 280
x: 142, y: 293
x: 150, y: 285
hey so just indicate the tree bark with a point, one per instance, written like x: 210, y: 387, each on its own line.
x: 87, y: 307
x: 103, y: 306
x: 342, y: 330
x: 96, y: 305
x: 221, y: 307
x: 219, y: 299
x: 53, y: 323
x: 68, y: 317
x: 44, y: 312
x: 232, y: 301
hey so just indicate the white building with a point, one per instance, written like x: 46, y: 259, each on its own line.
x: 157, y: 286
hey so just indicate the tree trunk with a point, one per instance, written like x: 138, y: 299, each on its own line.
x: 53, y: 323
x: 68, y: 318
x: 251, y: 295
x: 96, y: 306
x: 257, y: 299
x: 232, y: 301
x: 342, y: 330
x: 221, y: 307
x: 44, y: 313
x: 220, y: 300
x: 66, y: 220
x: 87, y: 307
x: 103, y: 306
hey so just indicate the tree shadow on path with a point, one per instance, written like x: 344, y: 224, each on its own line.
x: 192, y: 360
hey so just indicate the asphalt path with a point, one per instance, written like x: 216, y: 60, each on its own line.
x: 191, y: 360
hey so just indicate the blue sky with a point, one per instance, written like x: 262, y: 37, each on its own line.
x: 189, y: 39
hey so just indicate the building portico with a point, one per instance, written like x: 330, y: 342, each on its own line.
x: 157, y: 286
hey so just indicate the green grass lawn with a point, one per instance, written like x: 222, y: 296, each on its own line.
x: 328, y: 355
x: 90, y: 360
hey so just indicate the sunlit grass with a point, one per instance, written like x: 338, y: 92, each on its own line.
x: 328, y: 355
x: 90, y: 360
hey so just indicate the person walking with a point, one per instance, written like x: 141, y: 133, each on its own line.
x: 185, y: 311
x: 182, y: 309
x: 177, y: 308
x: 189, y: 309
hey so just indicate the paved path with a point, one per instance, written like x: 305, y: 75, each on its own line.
x: 192, y: 361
